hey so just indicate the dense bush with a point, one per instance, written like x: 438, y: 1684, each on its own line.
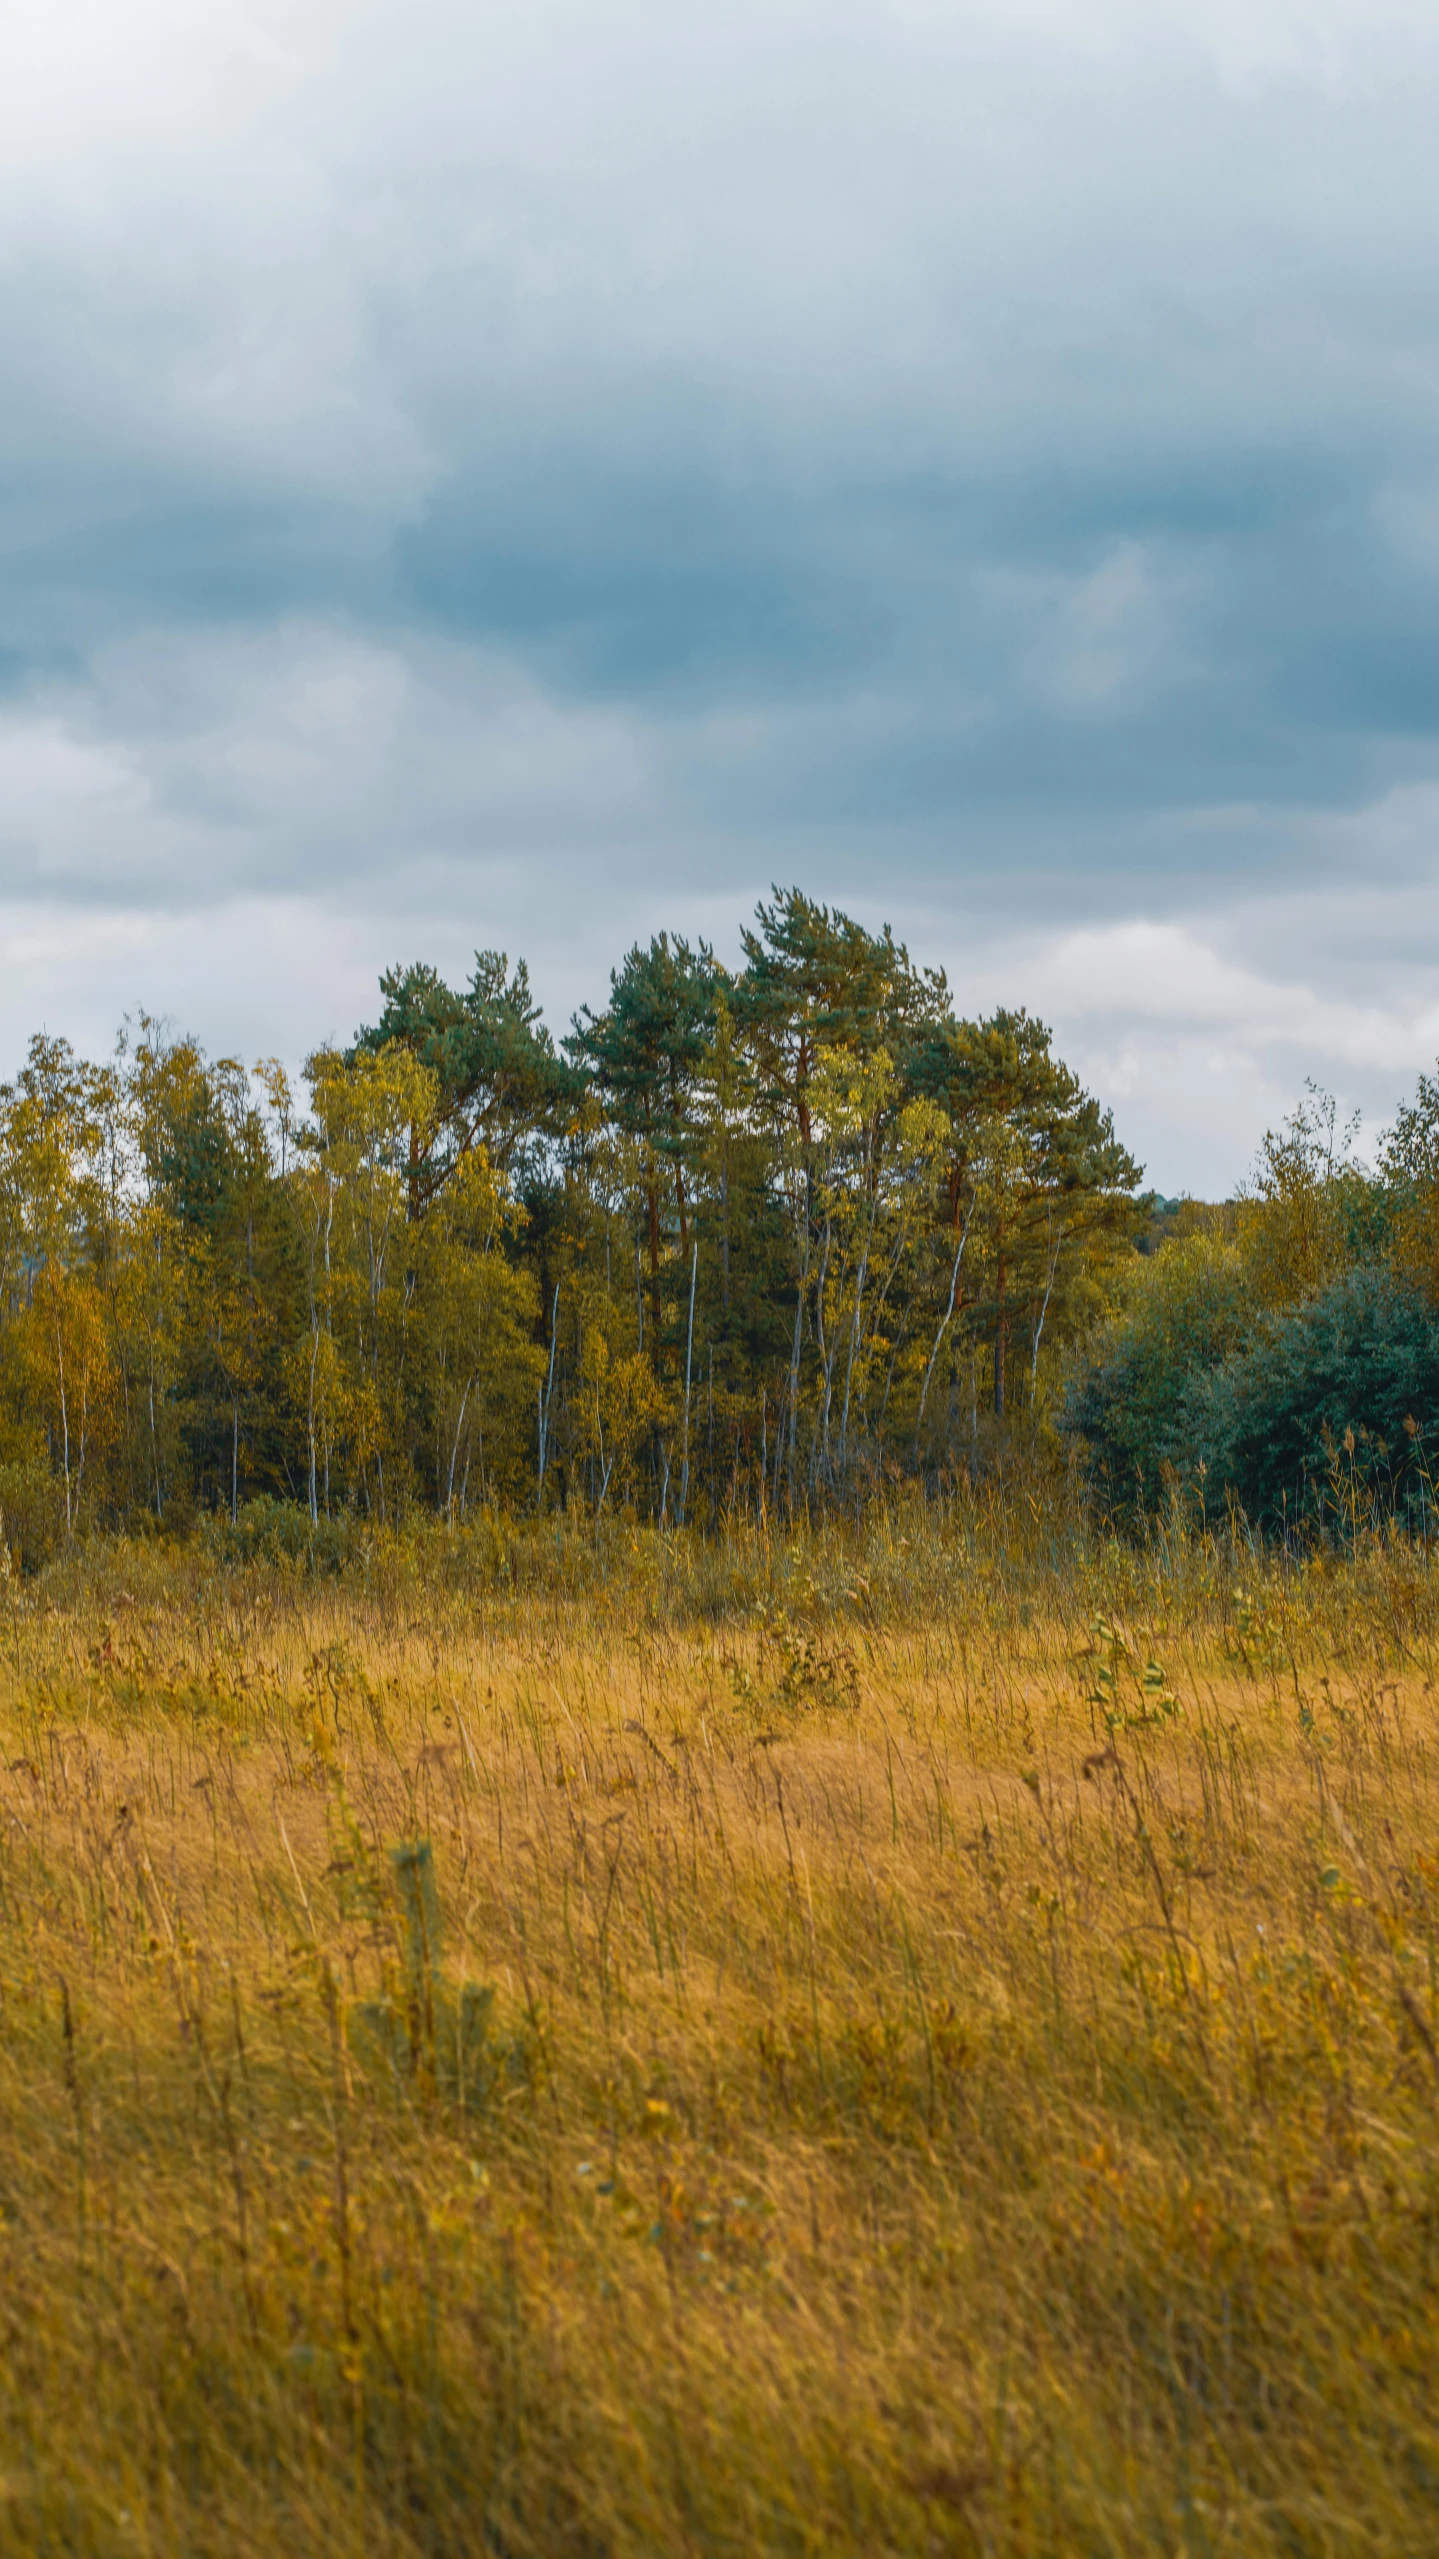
x: 1193, y: 1308
x: 32, y: 1512
x: 276, y: 1532
x: 1319, y: 1413
x: 1329, y: 1414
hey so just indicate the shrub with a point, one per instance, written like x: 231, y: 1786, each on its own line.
x: 32, y: 1512
x: 1328, y: 1415
x: 1193, y: 1306
x: 276, y: 1532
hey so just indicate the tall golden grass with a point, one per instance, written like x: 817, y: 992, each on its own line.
x: 921, y: 2039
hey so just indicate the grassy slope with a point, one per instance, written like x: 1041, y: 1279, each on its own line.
x: 884, y: 2135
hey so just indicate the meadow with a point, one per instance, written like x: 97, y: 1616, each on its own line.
x: 914, y: 2038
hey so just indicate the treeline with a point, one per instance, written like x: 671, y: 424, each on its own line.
x: 741, y: 1238
x: 1276, y: 1360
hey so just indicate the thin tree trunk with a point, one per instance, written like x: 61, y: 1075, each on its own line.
x: 793, y: 1397
x: 547, y: 1398
x: 1044, y: 1310
x: 1001, y: 1327
x: 454, y: 1455
x: 154, y: 1440
x: 653, y: 1201
x: 944, y: 1321
x: 689, y: 1361
x: 310, y: 1420
x: 64, y: 1407
x: 854, y: 1330
x: 820, y: 1455
x: 84, y: 1434
x: 605, y: 1471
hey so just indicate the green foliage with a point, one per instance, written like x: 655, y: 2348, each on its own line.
x: 1282, y: 1356
x: 272, y: 1531
x: 1311, y: 1210
x: 498, y: 1082
x: 754, y: 1241
x: 32, y: 1512
x: 1331, y: 1415
x: 1192, y: 1306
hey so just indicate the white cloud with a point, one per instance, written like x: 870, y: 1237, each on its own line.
x: 1202, y: 1032
x: 1144, y: 973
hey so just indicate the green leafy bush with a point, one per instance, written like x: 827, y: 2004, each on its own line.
x: 1193, y: 1307
x: 1320, y: 1415
x: 1328, y: 1416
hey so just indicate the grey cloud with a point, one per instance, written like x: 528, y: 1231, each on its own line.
x: 187, y: 769
x: 583, y: 461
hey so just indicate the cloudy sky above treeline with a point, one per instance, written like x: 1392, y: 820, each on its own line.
x: 528, y: 474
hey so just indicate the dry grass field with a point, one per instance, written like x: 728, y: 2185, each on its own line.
x: 920, y: 2042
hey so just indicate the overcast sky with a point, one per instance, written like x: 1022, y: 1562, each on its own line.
x: 525, y: 474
